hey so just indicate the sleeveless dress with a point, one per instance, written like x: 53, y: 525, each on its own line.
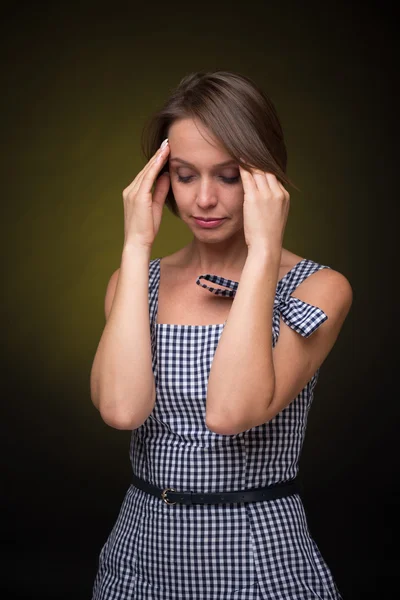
x: 242, y: 551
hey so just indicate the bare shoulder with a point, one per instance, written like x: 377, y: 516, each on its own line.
x: 325, y: 281
x: 110, y: 292
x: 288, y: 261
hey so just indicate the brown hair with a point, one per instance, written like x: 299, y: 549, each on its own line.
x: 235, y: 110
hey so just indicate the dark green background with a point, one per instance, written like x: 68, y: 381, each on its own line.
x: 77, y: 86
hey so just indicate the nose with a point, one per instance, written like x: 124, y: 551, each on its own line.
x: 206, y: 194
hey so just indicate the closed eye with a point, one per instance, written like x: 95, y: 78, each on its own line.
x: 224, y: 179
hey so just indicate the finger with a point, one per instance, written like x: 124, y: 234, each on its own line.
x: 262, y: 182
x: 249, y: 185
x: 161, y: 189
x: 150, y: 165
x: 276, y: 185
x: 136, y: 181
x: 135, y: 184
x: 154, y: 169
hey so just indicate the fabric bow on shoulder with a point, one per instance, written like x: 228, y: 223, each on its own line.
x: 298, y: 314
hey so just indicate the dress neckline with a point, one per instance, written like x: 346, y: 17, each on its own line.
x: 231, y: 284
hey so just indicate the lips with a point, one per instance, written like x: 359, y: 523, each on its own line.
x: 216, y: 219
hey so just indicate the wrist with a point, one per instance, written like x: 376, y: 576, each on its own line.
x: 262, y: 261
x: 136, y: 249
x: 263, y: 252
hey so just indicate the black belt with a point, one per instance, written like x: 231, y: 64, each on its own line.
x: 277, y: 490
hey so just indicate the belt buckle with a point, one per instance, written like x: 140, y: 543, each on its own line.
x: 164, y: 493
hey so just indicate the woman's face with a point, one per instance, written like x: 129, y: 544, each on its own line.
x: 201, y: 185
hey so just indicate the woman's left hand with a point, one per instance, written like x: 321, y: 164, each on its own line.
x: 265, y: 209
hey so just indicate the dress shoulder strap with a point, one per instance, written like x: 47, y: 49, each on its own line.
x: 302, y: 317
x: 298, y: 274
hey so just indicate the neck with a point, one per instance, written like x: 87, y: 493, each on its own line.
x: 219, y: 258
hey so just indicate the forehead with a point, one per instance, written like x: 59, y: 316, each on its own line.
x: 191, y: 141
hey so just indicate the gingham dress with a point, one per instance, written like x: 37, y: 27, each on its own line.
x: 242, y: 551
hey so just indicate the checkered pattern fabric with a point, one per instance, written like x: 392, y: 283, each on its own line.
x: 247, y: 551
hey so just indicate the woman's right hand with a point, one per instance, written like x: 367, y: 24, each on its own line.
x: 142, y: 210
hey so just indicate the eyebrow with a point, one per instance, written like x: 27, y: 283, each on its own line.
x: 185, y: 162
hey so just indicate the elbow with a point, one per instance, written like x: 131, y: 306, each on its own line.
x: 122, y: 411
x: 117, y: 421
x: 223, y: 430
x: 231, y: 426
x: 228, y: 426
x: 123, y: 419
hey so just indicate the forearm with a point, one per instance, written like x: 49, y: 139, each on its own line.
x: 122, y: 378
x: 242, y: 378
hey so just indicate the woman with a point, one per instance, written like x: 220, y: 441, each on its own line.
x: 215, y: 381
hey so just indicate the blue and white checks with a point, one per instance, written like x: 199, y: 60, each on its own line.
x: 242, y: 551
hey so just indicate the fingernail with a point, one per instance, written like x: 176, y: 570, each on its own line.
x: 165, y: 142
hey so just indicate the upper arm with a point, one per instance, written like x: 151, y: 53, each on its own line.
x: 110, y: 292
x: 297, y: 358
